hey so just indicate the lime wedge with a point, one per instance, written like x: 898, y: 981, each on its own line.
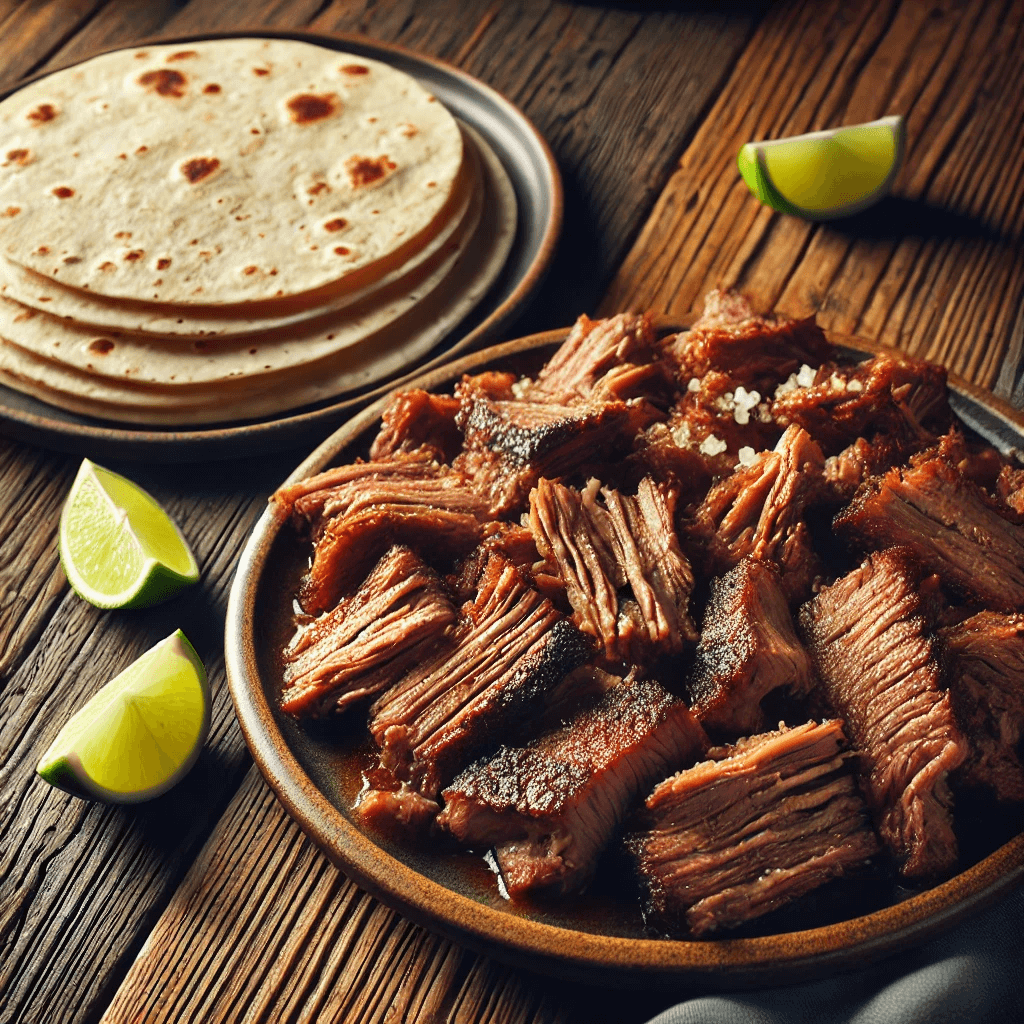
x: 825, y: 174
x: 119, y: 548
x: 140, y: 734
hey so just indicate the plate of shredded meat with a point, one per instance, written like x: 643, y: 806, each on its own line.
x: 632, y: 653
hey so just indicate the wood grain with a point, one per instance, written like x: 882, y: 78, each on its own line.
x: 937, y: 269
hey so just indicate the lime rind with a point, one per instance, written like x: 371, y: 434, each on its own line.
x: 100, y: 543
x: 90, y: 757
x: 753, y: 165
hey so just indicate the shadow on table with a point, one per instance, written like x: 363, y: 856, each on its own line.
x: 896, y: 218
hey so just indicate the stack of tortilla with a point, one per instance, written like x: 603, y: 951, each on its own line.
x: 228, y: 229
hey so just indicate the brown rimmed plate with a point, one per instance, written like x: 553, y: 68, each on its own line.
x: 599, y: 938
x: 534, y: 176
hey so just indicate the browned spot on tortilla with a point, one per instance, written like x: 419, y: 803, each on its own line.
x: 45, y: 298
x: 200, y: 346
x: 142, y: 54
x: 330, y: 337
x: 42, y: 250
x: 250, y: 270
x: 354, y: 69
x: 123, y: 234
x: 212, y: 87
x: 199, y: 167
x: 163, y: 263
x: 307, y: 106
x: 63, y: 192
x: 107, y: 267
x: 409, y: 130
x: 261, y: 71
x: 101, y: 346
x: 342, y: 250
x: 273, y: 273
x: 12, y: 211
x: 135, y: 254
x: 254, y: 131
x: 197, y: 291
x: 336, y: 225
x: 18, y: 156
x: 317, y: 188
x: 365, y: 170
x: 252, y: 351
x: 372, y: 120
x: 182, y: 55
x: 431, y: 184
x: 142, y: 149
x: 72, y: 259
x: 156, y: 284
x: 431, y: 99
x: 43, y: 113
x: 164, y: 82
x: 122, y: 156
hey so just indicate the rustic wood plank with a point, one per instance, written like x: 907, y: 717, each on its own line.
x: 937, y: 269
x: 36, y: 29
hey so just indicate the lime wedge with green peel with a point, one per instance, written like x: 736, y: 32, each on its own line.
x: 140, y: 734
x: 825, y: 174
x: 119, y: 548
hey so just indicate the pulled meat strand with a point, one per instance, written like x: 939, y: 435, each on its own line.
x: 598, y: 549
x: 983, y: 659
x: 757, y: 825
x: 509, y: 648
x: 867, y: 636
x: 358, y: 648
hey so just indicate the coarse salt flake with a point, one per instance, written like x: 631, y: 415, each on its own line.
x: 747, y: 456
x: 745, y: 401
x: 712, y: 445
x: 805, y: 378
x: 854, y: 385
x: 681, y: 434
x: 694, y: 385
x: 520, y: 387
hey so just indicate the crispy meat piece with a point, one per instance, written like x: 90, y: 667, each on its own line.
x: 602, y: 359
x: 680, y: 472
x: 1010, y: 488
x: 510, y: 647
x: 516, y: 545
x: 551, y: 807
x: 312, y: 501
x: 758, y: 512
x: 845, y: 472
x: 758, y: 352
x: 984, y: 662
x: 716, y: 417
x: 752, y: 828
x: 895, y: 395
x: 349, y: 544
x: 748, y: 647
x: 598, y: 548
x: 950, y: 525
x: 867, y: 636
x: 368, y: 640
x: 418, y: 421
x: 510, y: 445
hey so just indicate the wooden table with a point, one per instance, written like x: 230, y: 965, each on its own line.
x: 209, y: 904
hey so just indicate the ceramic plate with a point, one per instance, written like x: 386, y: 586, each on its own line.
x: 535, y: 180
x: 600, y: 937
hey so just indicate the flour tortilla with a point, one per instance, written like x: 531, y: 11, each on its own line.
x: 228, y: 159
x: 375, y: 358
x: 43, y: 295
x: 177, y: 365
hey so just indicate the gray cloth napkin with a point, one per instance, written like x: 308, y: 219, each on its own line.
x: 972, y: 975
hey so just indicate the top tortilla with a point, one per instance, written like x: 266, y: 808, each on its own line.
x: 223, y: 172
